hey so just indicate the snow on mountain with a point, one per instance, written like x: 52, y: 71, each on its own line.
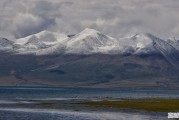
x: 91, y: 41
x: 149, y: 44
x: 137, y: 44
x: 143, y: 44
x: 40, y: 40
x: 88, y: 41
x: 57, y: 49
x: 5, y: 44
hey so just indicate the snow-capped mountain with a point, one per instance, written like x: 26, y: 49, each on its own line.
x: 150, y: 44
x: 137, y: 44
x: 47, y: 37
x: 90, y: 41
x: 42, y: 40
x: 52, y: 58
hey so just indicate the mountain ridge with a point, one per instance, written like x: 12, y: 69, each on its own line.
x: 90, y: 41
x: 90, y: 59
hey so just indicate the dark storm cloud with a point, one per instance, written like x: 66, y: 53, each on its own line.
x: 19, y: 18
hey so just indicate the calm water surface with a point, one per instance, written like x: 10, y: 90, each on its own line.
x: 45, y: 93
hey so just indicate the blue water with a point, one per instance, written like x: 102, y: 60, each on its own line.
x: 8, y: 95
x: 27, y: 93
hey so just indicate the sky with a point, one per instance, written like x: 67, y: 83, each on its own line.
x: 20, y: 18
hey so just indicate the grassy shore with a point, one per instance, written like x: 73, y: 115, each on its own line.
x: 156, y: 105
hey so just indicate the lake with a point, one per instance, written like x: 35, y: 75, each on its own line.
x: 15, y: 102
x: 26, y: 93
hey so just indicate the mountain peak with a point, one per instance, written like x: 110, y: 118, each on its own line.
x: 91, y: 41
x: 90, y: 30
x: 91, y: 33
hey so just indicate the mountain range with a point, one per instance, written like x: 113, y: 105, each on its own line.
x: 89, y: 59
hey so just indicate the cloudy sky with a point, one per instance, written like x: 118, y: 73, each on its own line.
x: 19, y: 18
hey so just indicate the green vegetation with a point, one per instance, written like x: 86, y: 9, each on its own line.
x: 156, y: 105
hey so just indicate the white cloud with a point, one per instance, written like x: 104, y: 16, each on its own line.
x: 20, y: 18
